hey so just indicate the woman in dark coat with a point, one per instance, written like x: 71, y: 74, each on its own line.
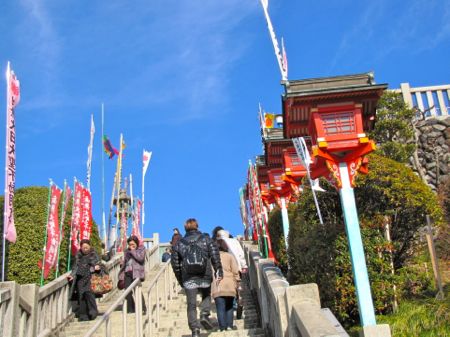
x: 86, y: 263
x: 134, y: 267
x: 175, y: 237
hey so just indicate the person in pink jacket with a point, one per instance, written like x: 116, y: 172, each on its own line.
x: 224, y: 291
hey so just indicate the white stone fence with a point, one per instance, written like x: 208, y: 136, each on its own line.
x: 29, y: 310
x: 288, y: 311
x: 293, y: 310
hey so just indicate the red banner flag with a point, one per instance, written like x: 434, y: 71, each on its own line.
x: 86, y: 215
x: 13, y: 98
x: 123, y: 239
x: 136, y: 221
x: 51, y: 249
x: 67, y: 196
x: 76, y: 217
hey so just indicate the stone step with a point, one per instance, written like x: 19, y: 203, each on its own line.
x: 258, y: 332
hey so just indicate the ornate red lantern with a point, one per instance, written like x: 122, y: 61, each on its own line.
x: 338, y: 136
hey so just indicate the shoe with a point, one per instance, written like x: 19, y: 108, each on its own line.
x: 196, y: 333
x: 206, y: 323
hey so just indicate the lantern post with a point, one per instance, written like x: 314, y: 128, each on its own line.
x: 282, y: 193
x: 339, y: 149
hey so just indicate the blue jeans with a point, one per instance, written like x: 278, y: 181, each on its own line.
x: 224, y: 306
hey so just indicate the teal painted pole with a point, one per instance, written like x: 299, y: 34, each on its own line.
x: 285, y: 218
x: 364, y: 296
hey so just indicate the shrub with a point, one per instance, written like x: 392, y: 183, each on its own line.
x: 275, y: 227
x: 319, y: 253
x: 30, y: 210
x: 393, y: 131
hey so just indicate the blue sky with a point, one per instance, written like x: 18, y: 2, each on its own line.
x: 184, y: 78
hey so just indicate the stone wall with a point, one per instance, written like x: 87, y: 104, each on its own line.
x: 433, y: 136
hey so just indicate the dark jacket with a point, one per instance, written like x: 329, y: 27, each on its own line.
x: 175, y: 239
x: 137, y: 260
x: 81, y: 272
x: 210, y: 249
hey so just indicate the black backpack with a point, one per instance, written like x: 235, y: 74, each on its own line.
x: 194, y: 259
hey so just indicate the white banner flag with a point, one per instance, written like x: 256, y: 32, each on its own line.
x: 13, y: 98
x: 89, y: 161
x: 146, y: 160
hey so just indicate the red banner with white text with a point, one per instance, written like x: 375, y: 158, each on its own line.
x: 136, y: 221
x: 86, y: 215
x: 76, y: 217
x: 53, y: 237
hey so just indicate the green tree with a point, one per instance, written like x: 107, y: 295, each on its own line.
x: 319, y: 253
x: 30, y: 210
x: 394, y: 131
x: 275, y: 226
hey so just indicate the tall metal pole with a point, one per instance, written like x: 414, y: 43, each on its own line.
x: 105, y: 239
x: 362, y: 285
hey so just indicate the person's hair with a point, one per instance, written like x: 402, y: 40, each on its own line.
x: 214, y: 232
x: 167, y: 249
x: 176, y: 229
x: 133, y: 238
x: 222, y: 245
x: 82, y: 242
x: 191, y: 224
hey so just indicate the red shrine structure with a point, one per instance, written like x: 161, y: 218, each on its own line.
x: 333, y: 114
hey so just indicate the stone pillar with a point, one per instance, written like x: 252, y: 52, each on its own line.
x: 30, y: 293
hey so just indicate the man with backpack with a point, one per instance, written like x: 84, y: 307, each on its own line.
x: 191, y: 260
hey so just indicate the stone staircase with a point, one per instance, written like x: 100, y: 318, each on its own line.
x: 79, y: 329
x: 173, y: 321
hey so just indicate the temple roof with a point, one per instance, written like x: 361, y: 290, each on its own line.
x: 330, y: 85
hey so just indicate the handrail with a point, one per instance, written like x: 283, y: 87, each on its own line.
x: 152, y: 285
x: 136, y: 286
x: 105, y: 317
x: 42, y: 311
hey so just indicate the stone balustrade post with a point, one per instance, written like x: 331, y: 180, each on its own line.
x: 12, y: 314
x: 30, y: 293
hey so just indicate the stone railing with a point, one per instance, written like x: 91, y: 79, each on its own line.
x: 434, y: 100
x: 292, y: 311
x: 29, y: 310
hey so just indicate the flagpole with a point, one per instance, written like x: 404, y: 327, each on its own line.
x: 143, y: 197
x: 69, y: 251
x: 103, y: 182
x: 118, y: 183
x: 8, y: 73
x: 112, y: 232
x: 61, y: 227
x: 46, y: 233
